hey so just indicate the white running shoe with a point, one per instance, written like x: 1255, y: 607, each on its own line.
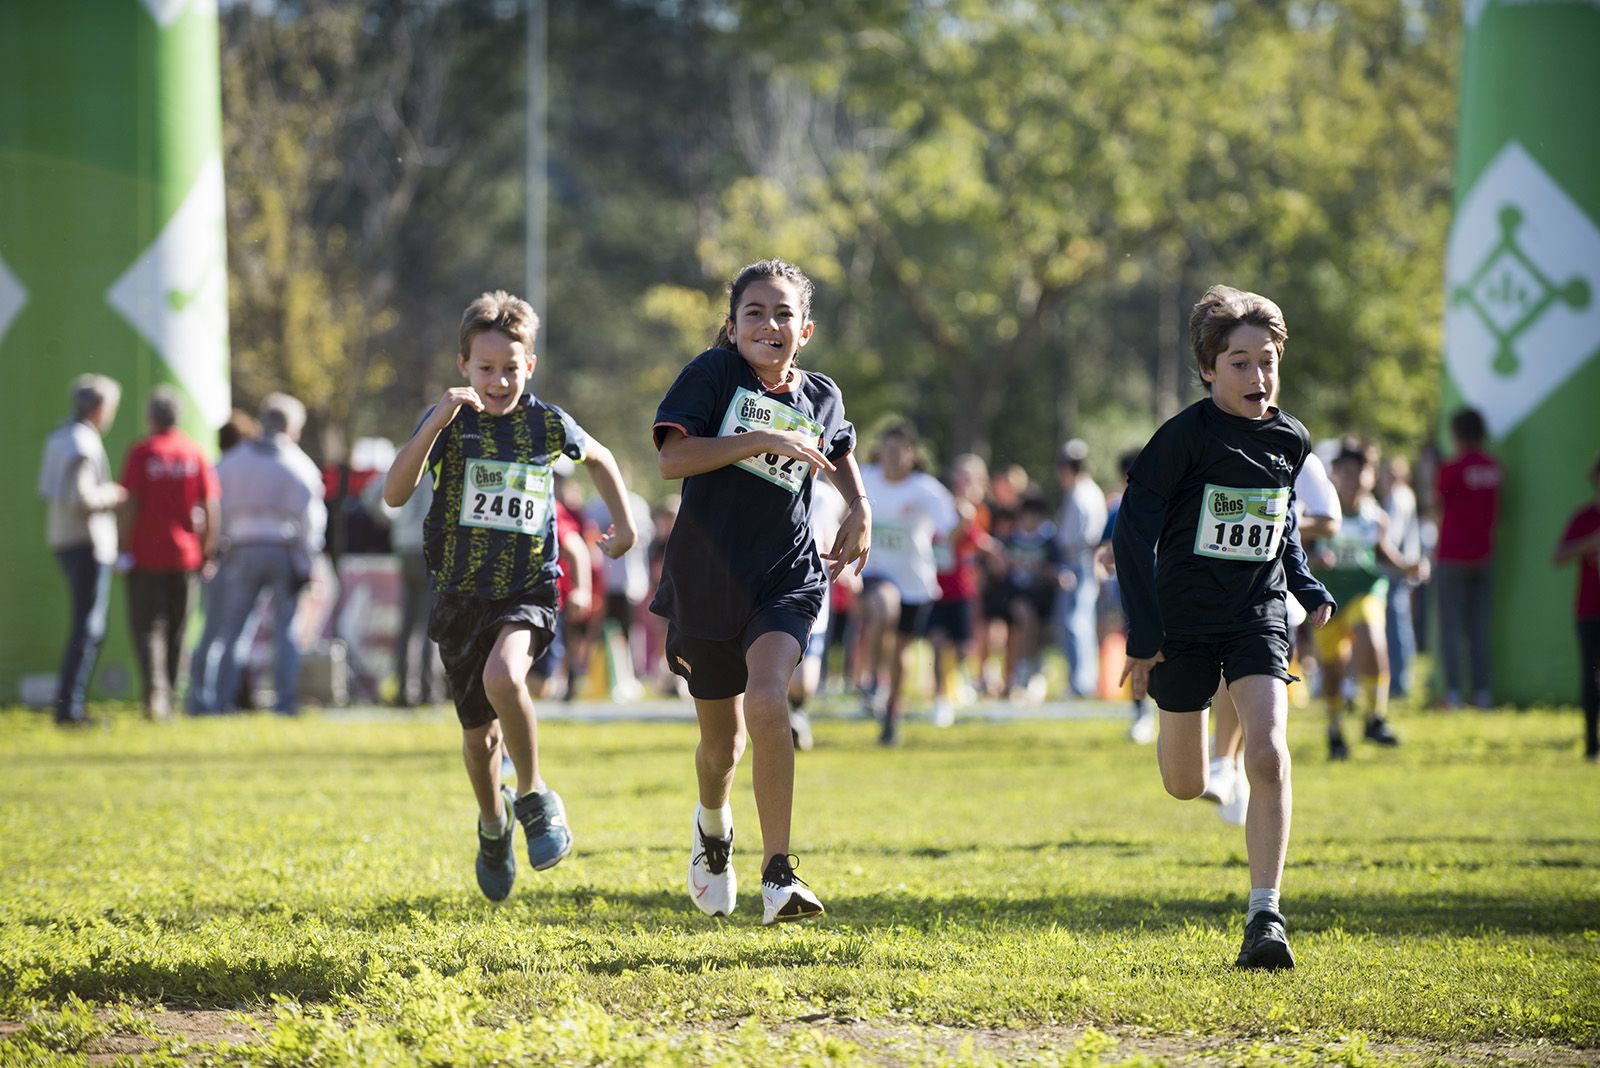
x: 1233, y: 810
x: 784, y: 895
x: 1219, y: 781
x: 944, y: 713
x: 1143, y: 729
x: 712, y: 884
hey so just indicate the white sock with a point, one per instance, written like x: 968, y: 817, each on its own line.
x: 1262, y: 897
x: 716, y: 822
x: 494, y: 830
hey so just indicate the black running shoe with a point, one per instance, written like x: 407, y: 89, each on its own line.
x: 1337, y: 749
x: 1379, y: 731
x: 497, y: 860
x: 889, y: 735
x: 1266, y: 944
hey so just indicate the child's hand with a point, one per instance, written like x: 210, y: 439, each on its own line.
x: 1320, y: 615
x: 453, y: 400
x: 1136, y: 671
x: 853, y: 542
x: 613, y: 544
x: 797, y: 444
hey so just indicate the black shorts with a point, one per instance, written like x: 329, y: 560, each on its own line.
x: 1186, y: 680
x: 1041, y: 599
x: 716, y: 670
x: 953, y: 618
x: 466, y: 628
x: 996, y: 600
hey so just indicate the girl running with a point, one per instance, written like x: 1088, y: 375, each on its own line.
x: 742, y: 580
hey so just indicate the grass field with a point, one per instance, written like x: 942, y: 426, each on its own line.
x: 257, y: 891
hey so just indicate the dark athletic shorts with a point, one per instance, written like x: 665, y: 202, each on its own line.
x: 913, y: 621
x: 953, y: 618
x: 466, y: 628
x: 1187, y: 679
x: 997, y: 600
x: 716, y: 670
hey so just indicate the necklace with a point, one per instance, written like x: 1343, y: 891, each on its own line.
x: 780, y: 383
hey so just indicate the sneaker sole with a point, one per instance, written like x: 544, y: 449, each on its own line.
x: 794, y: 910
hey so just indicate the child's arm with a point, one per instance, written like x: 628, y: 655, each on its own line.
x: 576, y: 562
x: 1312, y: 595
x: 1134, y: 540
x: 607, y: 479
x: 406, y: 470
x: 854, y: 540
x: 1573, y: 547
x: 682, y: 455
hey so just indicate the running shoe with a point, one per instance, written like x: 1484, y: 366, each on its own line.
x: 1219, y: 781
x: 1235, y: 808
x: 944, y: 713
x: 889, y: 732
x: 1143, y: 729
x: 712, y: 883
x: 1379, y: 731
x: 1337, y: 749
x: 544, y: 823
x: 497, y: 857
x: 1266, y: 943
x: 784, y: 895
x: 800, y: 729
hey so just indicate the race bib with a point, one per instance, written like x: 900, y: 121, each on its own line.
x: 752, y: 411
x: 891, y: 537
x: 1241, y: 524
x: 506, y: 496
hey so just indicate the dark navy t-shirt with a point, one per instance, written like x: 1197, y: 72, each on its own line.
x: 491, y: 529
x: 742, y: 541
x: 1206, y: 537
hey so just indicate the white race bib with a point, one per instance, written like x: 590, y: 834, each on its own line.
x: 506, y: 496
x: 751, y: 411
x: 890, y: 537
x: 1241, y: 524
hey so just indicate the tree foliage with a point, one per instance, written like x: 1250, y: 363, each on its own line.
x: 1008, y: 207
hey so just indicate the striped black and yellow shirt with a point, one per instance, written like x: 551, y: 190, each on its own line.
x: 491, y: 531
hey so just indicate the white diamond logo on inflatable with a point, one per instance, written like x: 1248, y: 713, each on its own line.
x: 176, y: 295
x: 12, y: 298
x: 1521, y: 314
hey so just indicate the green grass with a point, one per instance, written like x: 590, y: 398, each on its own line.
x: 1026, y: 884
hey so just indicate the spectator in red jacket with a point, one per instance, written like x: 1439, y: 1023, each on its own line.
x: 169, y: 529
x: 1581, y: 542
x: 1468, y: 491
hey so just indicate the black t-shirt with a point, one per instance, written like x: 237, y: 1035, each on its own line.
x: 491, y: 531
x: 742, y: 540
x: 1206, y: 538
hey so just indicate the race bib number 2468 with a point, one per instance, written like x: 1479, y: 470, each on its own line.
x: 506, y: 496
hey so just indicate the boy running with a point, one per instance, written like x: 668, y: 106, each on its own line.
x: 490, y: 545
x: 1205, y: 546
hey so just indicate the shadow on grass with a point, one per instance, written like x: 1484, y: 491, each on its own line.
x: 610, y: 932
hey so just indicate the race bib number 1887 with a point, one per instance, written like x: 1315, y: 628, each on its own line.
x: 750, y: 411
x: 506, y: 496
x: 1241, y: 524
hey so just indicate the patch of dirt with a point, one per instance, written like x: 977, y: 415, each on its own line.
x: 900, y: 1045
x: 208, y: 1026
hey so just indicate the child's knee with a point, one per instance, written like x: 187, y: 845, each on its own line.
x: 1185, y: 784
x: 481, y: 739
x: 722, y: 751
x: 1266, y: 762
x: 501, y: 683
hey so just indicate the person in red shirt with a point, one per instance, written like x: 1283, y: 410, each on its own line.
x: 170, y: 529
x: 1581, y: 542
x: 1468, y: 491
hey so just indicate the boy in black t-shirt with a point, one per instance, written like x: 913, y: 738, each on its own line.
x: 1206, y: 546
x: 742, y: 580
x: 490, y: 543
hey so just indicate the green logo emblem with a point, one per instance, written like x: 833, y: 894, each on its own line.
x: 487, y: 478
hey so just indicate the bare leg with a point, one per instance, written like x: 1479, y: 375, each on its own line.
x: 722, y: 740
x: 480, y: 750
x: 1181, y: 753
x: 771, y: 659
x: 1263, y: 703
x: 505, y: 680
x: 1227, y: 733
x: 880, y: 609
